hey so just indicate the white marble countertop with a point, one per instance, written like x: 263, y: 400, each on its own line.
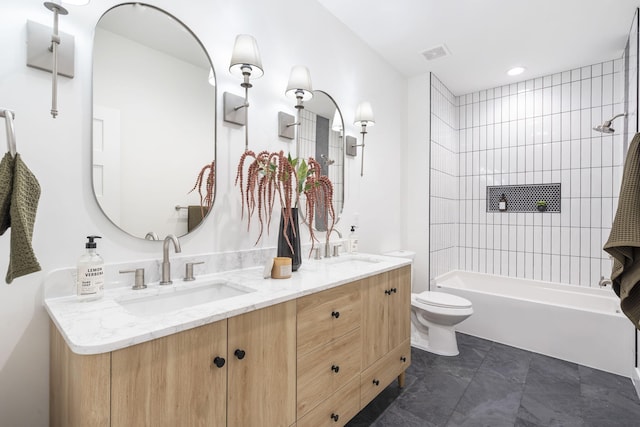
x: 105, y: 325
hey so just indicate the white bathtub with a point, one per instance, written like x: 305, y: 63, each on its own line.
x: 573, y: 323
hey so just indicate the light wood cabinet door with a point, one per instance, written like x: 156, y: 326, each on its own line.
x: 326, y: 369
x: 337, y: 410
x: 327, y: 315
x: 172, y: 380
x: 375, y: 318
x: 262, y: 367
x: 399, y: 306
x: 78, y: 386
x: 379, y: 375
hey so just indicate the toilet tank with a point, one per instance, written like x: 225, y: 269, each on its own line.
x: 404, y: 254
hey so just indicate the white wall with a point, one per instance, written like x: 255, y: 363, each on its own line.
x: 58, y: 152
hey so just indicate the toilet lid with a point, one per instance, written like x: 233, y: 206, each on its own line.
x: 442, y: 299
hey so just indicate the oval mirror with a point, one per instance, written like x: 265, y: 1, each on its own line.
x: 321, y: 137
x: 154, y: 122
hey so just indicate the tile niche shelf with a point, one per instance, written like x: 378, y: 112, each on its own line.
x: 524, y: 198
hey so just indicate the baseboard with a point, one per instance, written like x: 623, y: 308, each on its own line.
x: 635, y: 378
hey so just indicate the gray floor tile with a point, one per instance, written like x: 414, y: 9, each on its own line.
x: 495, y: 385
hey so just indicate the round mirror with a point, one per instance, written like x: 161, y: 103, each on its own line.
x: 154, y: 118
x: 322, y: 137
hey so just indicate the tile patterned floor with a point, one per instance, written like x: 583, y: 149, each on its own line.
x: 494, y: 385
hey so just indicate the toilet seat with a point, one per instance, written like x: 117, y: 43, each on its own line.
x: 442, y: 300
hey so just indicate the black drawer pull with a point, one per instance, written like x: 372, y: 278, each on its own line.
x: 376, y: 382
x: 219, y: 361
x: 335, y: 417
x: 335, y: 314
x: 403, y: 359
x: 387, y: 291
x: 394, y: 290
x: 239, y: 354
x: 335, y: 368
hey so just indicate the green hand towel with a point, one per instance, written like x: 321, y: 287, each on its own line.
x: 6, y: 184
x: 624, y: 241
x: 24, y: 203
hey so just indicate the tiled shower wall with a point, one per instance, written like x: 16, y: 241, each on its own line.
x: 444, y: 206
x: 532, y: 132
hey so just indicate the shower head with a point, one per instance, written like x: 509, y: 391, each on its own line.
x: 606, y: 126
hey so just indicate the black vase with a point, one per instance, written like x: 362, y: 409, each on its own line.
x: 293, y: 233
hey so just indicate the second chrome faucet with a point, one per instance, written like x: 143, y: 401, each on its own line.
x: 166, y: 265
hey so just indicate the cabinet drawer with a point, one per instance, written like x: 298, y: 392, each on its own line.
x: 384, y: 371
x: 326, y: 369
x: 327, y: 315
x: 337, y: 410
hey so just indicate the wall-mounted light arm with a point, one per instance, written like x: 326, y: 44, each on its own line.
x: 246, y: 63
x: 55, y: 42
x: 300, y: 88
x: 364, y: 118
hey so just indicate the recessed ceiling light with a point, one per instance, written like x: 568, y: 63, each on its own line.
x: 516, y: 71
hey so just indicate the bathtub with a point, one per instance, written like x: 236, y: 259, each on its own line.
x: 573, y: 323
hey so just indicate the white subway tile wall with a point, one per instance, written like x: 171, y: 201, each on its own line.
x: 445, y: 203
x: 534, y: 132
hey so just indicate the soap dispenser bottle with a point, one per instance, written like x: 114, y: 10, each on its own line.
x: 90, y: 273
x: 353, y: 241
x: 502, y: 203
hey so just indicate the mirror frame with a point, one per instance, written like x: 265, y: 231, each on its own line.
x: 214, y: 121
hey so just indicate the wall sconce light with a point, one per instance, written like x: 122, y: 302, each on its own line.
x: 246, y: 63
x: 364, y: 118
x: 299, y: 87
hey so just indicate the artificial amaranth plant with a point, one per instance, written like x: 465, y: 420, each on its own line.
x: 270, y: 175
x: 206, y: 200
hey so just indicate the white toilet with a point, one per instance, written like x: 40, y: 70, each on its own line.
x: 434, y: 316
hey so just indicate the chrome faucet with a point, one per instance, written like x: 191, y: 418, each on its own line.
x: 166, y: 266
x: 327, y: 246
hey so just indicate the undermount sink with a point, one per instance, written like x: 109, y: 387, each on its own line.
x: 177, y: 299
x: 354, y: 260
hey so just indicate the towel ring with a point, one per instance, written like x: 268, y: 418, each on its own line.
x: 11, y: 132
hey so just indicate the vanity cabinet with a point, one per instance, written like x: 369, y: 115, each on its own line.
x: 196, y: 377
x: 386, y: 330
x: 312, y: 361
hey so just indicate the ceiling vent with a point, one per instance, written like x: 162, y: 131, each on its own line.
x: 436, y: 52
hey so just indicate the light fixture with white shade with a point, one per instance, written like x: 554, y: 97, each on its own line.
x: 363, y: 118
x: 298, y: 87
x: 246, y: 63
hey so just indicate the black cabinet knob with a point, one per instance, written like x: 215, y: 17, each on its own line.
x: 335, y: 368
x: 335, y: 417
x: 403, y: 359
x: 219, y: 361
x: 335, y: 314
x: 239, y: 354
x: 394, y: 290
x: 376, y: 382
x: 387, y: 291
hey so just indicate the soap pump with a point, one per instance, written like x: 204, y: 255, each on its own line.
x: 90, y: 273
x: 353, y: 240
x: 502, y: 203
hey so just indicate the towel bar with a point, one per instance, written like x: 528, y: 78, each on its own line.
x: 11, y: 132
x: 178, y: 207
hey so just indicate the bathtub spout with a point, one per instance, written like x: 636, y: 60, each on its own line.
x: 604, y: 282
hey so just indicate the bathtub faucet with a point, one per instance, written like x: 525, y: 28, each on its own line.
x: 604, y: 282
